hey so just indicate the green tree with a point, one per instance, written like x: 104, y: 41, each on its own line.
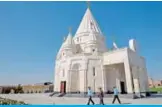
x: 19, y: 89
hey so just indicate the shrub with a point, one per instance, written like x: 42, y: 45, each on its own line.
x: 4, y: 101
x: 19, y: 89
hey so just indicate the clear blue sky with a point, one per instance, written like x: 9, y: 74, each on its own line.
x: 31, y: 34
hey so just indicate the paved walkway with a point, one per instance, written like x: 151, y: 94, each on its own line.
x: 45, y: 99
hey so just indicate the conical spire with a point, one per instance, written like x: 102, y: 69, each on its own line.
x: 88, y: 24
x: 68, y: 46
x: 69, y: 41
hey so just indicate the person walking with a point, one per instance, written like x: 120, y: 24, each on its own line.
x: 90, y: 94
x: 101, y: 96
x: 116, y: 95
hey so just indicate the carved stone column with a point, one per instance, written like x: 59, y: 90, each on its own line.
x: 85, y: 75
x: 135, y: 79
x: 128, y: 76
x: 104, y: 79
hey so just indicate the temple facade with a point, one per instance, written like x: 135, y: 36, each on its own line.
x: 84, y: 61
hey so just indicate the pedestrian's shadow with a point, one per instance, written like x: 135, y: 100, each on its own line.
x: 125, y: 103
x: 155, y: 96
x: 116, y: 104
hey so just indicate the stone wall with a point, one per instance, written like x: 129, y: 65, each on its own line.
x: 37, y: 88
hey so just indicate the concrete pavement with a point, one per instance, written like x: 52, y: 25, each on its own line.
x: 45, y: 99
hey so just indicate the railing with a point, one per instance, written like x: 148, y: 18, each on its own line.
x: 115, y: 50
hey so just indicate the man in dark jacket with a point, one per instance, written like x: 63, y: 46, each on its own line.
x: 101, y: 96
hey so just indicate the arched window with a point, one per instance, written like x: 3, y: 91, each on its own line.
x: 94, y: 72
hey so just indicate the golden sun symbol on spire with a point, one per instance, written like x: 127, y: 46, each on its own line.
x: 88, y: 4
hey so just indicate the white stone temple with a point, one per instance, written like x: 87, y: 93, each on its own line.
x: 84, y: 61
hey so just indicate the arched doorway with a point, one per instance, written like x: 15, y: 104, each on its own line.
x: 75, y: 78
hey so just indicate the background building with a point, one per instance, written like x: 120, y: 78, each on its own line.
x: 154, y: 83
x: 38, y: 88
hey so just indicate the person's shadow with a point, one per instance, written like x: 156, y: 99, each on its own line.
x: 125, y: 103
x: 115, y: 104
x: 155, y: 96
